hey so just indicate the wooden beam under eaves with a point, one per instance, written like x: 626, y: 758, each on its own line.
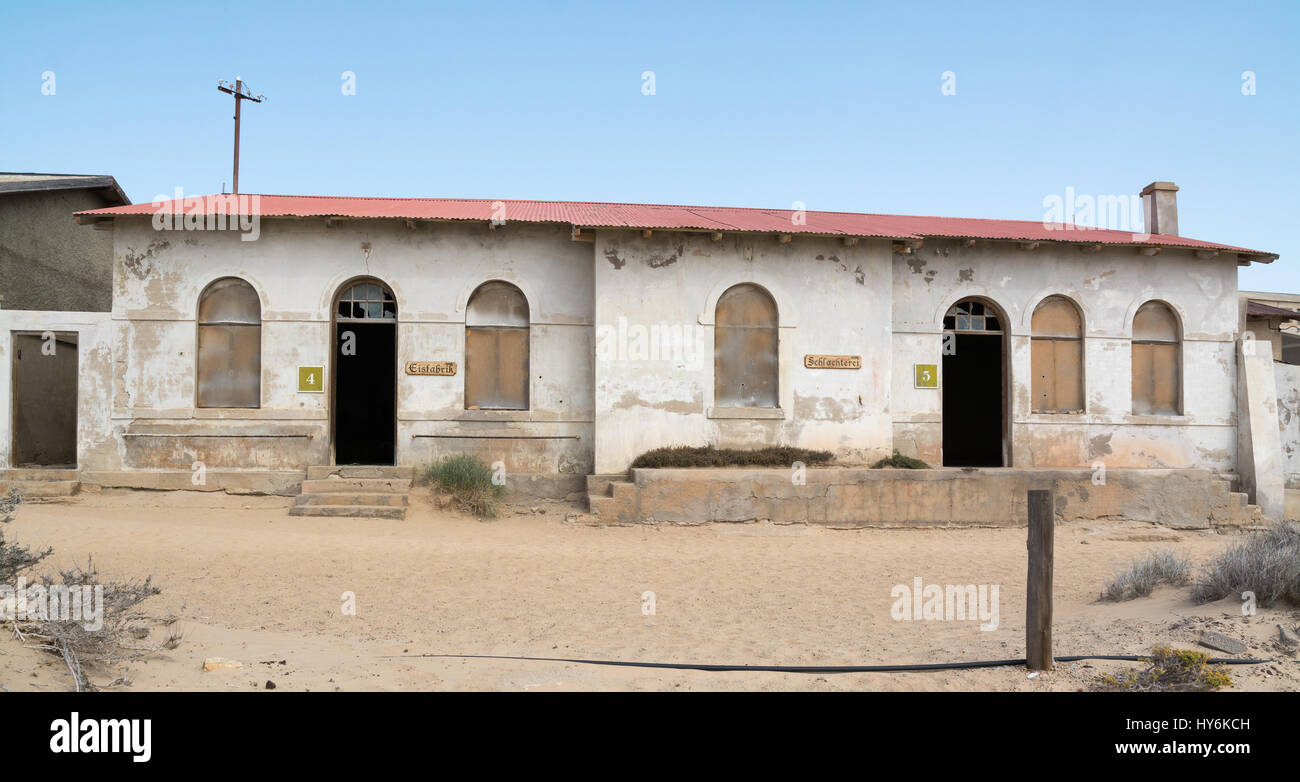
x: 579, y: 235
x: 850, y: 241
x: 1206, y: 255
x: 716, y: 236
x: 1149, y: 251
x: 1029, y: 245
x: 783, y: 238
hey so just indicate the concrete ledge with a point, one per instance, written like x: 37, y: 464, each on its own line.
x: 282, y: 482
x: 1195, y: 499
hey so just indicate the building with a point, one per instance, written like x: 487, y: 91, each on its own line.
x: 49, y: 263
x: 261, y: 335
x: 52, y: 266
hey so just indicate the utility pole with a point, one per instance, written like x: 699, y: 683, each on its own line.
x: 241, y: 94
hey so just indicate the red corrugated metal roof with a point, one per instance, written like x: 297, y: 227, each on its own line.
x: 666, y: 217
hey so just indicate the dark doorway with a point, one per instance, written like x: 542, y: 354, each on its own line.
x: 45, y: 400
x: 974, y: 399
x: 365, y: 375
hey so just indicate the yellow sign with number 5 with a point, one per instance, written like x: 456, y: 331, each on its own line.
x: 927, y: 375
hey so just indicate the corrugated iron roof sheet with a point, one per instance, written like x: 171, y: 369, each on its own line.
x: 585, y: 214
x: 1259, y: 308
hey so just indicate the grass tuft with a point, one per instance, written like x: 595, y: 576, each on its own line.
x: 469, y: 481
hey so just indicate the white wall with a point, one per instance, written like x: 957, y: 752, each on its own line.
x: 831, y: 298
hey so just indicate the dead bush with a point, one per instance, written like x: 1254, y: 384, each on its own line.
x: 1145, y: 574
x: 112, y: 635
x: 901, y: 462
x: 1266, y: 563
x: 708, y: 456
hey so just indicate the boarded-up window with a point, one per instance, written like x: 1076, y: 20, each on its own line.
x: 496, y: 348
x: 1157, y: 363
x: 230, y: 345
x: 1057, y: 357
x: 745, y: 349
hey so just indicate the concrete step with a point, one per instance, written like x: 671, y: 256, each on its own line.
x: 39, y: 474
x: 1240, y: 499
x: 623, y: 491
x: 351, y: 511
x: 33, y: 489
x: 604, y: 508
x: 353, y: 498
x: 322, y: 471
x: 599, y: 484
x: 365, y: 485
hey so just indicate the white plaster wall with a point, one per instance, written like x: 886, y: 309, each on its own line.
x: 297, y: 266
x: 1108, y: 286
x: 94, y: 359
x: 832, y: 299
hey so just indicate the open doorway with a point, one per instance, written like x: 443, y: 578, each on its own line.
x: 364, y: 402
x: 44, y: 373
x: 974, y: 386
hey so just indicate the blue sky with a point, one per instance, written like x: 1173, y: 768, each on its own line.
x: 836, y: 105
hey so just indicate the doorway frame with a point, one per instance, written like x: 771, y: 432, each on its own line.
x: 14, y: 334
x: 1005, y: 375
x: 332, y: 397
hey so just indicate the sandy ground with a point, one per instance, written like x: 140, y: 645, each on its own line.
x: 255, y: 585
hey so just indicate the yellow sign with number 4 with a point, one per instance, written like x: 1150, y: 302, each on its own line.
x: 311, y: 380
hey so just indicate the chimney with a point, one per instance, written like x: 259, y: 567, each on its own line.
x: 1160, y: 208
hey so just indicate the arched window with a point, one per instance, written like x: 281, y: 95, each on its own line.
x: 1157, y: 363
x: 230, y: 345
x: 496, y: 348
x: 745, y: 338
x: 1057, y: 357
x: 367, y: 301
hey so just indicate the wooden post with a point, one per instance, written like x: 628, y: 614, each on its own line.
x: 1038, y: 606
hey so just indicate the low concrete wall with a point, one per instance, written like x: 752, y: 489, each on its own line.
x: 1194, y: 499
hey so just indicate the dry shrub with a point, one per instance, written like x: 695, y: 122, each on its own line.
x: 1145, y: 574
x: 901, y: 462
x: 1266, y: 563
x: 708, y: 456
x: 111, y: 643
x: 9, y: 503
x: 1169, y: 670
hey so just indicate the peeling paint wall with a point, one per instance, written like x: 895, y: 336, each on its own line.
x: 297, y: 267
x: 1288, y: 419
x: 1108, y: 286
x: 622, y: 339
x: 831, y: 299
